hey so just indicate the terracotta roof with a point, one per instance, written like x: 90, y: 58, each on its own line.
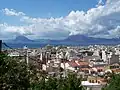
x: 115, y: 70
x: 73, y: 64
x: 83, y: 63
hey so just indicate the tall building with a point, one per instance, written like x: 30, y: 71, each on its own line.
x: 96, y: 53
x: 104, y: 56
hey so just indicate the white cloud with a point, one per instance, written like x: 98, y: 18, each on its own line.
x: 102, y: 21
x: 100, y: 3
x: 115, y: 32
x: 12, y: 12
x: 8, y: 31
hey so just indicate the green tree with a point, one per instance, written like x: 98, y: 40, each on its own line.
x: 13, y: 74
x: 17, y: 75
x: 71, y: 82
x: 114, y: 83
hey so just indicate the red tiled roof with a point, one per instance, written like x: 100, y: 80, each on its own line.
x: 73, y: 64
x: 83, y: 63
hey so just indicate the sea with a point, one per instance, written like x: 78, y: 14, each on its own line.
x: 32, y: 45
x: 38, y: 45
x: 21, y: 45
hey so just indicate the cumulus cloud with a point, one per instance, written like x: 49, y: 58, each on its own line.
x: 10, y: 32
x: 115, y: 32
x: 101, y: 21
x: 100, y: 3
x: 12, y: 12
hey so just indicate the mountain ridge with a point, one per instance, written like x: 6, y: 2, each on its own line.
x: 73, y: 39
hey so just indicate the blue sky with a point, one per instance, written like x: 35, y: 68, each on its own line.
x: 58, y: 19
x: 48, y: 8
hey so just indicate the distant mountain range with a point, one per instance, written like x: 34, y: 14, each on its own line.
x: 82, y: 39
x: 71, y: 40
x: 22, y: 39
